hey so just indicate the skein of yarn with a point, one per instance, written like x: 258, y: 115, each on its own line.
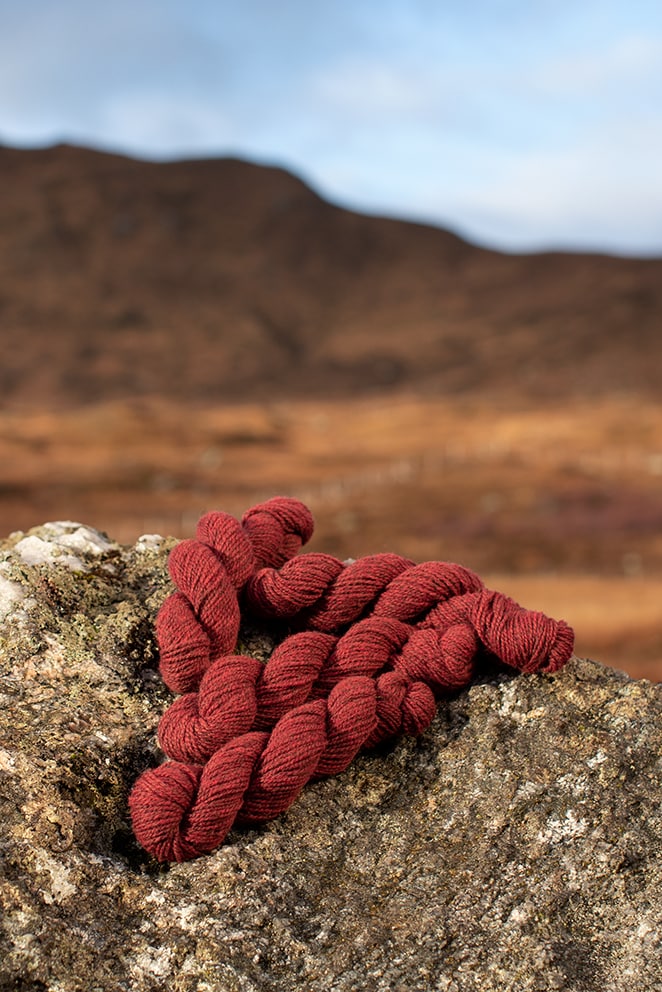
x: 378, y: 639
x: 238, y: 694
x: 320, y: 592
x: 200, y: 622
x: 181, y: 810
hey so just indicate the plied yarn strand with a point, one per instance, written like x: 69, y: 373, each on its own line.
x: 378, y: 640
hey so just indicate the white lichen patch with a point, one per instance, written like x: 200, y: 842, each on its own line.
x: 34, y: 550
x: 149, y: 542
x: 185, y: 914
x: 7, y: 762
x: 510, y: 705
x: 573, y: 784
x: 56, y: 541
x: 598, y: 759
x: 156, y: 961
x: 528, y: 789
x: 522, y: 913
x: 564, y: 830
x: 84, y: 539
x: 61, y: 887
x: 11, y: 593
x: 156, y: 896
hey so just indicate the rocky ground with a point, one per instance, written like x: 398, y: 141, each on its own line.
x: 514, y: 846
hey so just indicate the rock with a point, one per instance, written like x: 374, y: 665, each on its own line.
x: 516, y: 845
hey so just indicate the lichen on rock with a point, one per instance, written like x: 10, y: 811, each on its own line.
x: 514, y: 846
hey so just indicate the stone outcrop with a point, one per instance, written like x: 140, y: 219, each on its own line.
x: 516, y: 845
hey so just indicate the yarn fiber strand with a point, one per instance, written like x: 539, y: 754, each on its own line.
x: 181, y: 810
x: 200, y: 622
x: 320, y: 592
x: 376, y: 643
x: 238, y: 694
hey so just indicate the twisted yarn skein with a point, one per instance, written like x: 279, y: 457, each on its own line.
x: 238, y: 694
x: 200, y: 622
x: 181, y: 810
x: 322, y: 696
x: 321, y: 592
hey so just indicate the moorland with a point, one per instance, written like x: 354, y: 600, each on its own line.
x: 187, y: 335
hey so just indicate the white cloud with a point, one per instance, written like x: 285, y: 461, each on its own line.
x: 630, y: 61
x: 602, y: 193
x: 156, y: 123
x: 366, y: 88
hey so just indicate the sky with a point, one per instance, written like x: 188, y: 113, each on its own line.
x: 520, y: 124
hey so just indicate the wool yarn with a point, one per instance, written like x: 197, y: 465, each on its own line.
x: 200, y: 622
x: 181, y: 810
x: 238, y: 694
x: 320, y: 592
x: 377, y: 641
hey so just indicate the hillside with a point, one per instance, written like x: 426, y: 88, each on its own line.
x: 219, y: 280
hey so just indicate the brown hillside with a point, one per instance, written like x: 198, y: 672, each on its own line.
x: 521, y: 433
x: 219, y: 280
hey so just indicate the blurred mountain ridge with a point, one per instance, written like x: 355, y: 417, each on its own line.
x: 218, y: 280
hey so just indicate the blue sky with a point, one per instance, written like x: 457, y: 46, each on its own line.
x: 519, y: 124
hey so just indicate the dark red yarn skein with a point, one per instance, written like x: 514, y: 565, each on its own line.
x: 320, y: 592
x: 181, y: 810
x: 379, y: 676
x: 200, y: 622
x: 524, y: 639
x: 239, y: 694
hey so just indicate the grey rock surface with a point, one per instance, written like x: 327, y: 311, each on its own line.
x: 516, y: 845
